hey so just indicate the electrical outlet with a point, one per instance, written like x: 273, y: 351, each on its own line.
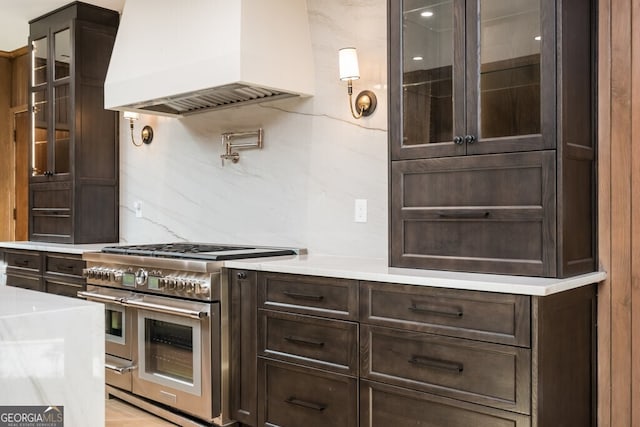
x: 360, y: 214
x: 137, y: 206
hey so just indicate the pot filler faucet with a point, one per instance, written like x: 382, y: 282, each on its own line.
x: 230, y: 145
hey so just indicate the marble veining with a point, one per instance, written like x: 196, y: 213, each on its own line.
x: 52, y: 353
x: 297, y: 191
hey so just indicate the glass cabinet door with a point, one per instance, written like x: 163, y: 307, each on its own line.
x: 61, y: 101
x: 40, y: 106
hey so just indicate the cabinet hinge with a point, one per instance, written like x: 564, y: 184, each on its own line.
x: 15, y: 214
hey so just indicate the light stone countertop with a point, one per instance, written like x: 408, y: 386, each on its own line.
x: 52, y: 354
x: 55, y: 247
x: 377, y: 270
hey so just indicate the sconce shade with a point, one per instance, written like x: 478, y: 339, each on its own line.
x: 131, y: 115
x: 348, y: 60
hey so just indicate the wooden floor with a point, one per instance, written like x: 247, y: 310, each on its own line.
x: 122, y: 414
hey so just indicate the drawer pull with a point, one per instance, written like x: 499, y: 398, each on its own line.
x: 449, y: 313
x: 307, y: 297
x: 297, y: 340
x: 311, y: 405
x: 465, y: 215
x: 435, y: 363
x: 66, y: 267
x: 22, y: 262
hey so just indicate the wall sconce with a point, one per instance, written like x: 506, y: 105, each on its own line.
x: 147, y: 131
x: 366, y: 100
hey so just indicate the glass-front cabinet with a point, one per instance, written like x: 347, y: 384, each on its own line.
x: 73, y: 161
x: 467, y: 76
x: 51, y: 104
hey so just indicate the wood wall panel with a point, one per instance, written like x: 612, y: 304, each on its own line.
x: 6, y: 152
x: 619, y: 213
x: 20, y: 75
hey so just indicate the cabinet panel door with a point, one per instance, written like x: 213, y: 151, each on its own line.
x: 383, y: 406
x: 492, y: 214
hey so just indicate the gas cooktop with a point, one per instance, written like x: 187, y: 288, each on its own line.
x: 199, y: 251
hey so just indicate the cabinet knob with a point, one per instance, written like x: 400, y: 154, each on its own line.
x: 469, y: 139
x: 242, y: 275
x: 458, y: 140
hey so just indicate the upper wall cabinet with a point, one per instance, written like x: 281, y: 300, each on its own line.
x: 491, y: 135
x: 73, y: 191
x: 471, y: 77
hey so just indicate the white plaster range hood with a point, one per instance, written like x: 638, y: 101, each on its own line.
x: 177, y: 58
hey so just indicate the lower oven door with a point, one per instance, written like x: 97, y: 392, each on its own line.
x: 178, y: 354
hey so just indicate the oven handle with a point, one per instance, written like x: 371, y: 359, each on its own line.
x: 119, y: 369
x: 183, y: 312
x: 101, y: 298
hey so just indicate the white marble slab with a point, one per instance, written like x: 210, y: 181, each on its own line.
x: 55, y: 247
x: 52, y: 353
x: 373, y: 269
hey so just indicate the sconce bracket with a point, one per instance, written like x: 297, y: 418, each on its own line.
x: 366, y: 102
x: 147, y: 134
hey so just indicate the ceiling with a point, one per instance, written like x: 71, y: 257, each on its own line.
x: 16, y: 14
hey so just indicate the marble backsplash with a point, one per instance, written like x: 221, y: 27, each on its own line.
x: 299, y: 190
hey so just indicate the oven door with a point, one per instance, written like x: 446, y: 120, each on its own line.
x: 118, y: 319
x: 178, y: 354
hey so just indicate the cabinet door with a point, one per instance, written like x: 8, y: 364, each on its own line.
x: 470, y: 77
x: 244, y: 369
x: 493, y: 214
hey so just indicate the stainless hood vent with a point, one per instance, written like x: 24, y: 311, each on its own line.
x: 203, y: 100
x: 180, y: 58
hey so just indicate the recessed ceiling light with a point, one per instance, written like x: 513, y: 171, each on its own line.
x: 417, y: 58
x: 426, y: 14
x: 537, y: 38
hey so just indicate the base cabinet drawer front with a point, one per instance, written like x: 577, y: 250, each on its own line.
x: 25, y: 282
x: 485, y: 316
x: 383, y: 406
x: 306, y: 340
x: 64, y: 264
x: 293, y: 396
x: 320, y: 296
x: 489, y: 374
x: 67, y: 289
x: 23, y: 260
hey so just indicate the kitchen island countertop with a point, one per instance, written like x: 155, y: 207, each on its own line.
x: 55, y: 247
x: 377, y: 270
x: 52, y: 354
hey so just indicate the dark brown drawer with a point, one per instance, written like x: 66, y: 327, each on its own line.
x: 336, y: 298
x: 311, y: 341
x: 64, y: 264
x: 490, y: 374
x: 292, y: 396
x: 384, y: 406
x: 485, y: 316
x: 25, y: 282
x: 24, y: 260
x: 493, y: 214
x: 68, y: 289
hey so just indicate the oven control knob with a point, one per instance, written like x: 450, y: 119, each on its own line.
x: 117, y: 276
x: 172, y: 283
x: 189, y: 287
x: 180, y: 285
x: 141, y: 277
x: 162, y: 282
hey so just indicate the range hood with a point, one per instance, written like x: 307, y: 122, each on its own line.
x: 182, y: 57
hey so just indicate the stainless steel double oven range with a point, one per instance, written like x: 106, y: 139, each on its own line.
x: 167, y: 326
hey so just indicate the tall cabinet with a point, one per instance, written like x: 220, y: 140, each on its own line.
x: 491, y: 135
x: 73, y: 184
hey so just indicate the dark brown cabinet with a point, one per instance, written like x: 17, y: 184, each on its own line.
x: 55, y: 273
x: 307, y: 351
x: 395, y: 354
x: 491, y: 136
x: 73, y: 189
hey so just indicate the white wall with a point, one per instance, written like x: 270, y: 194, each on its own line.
x: 300, y: 189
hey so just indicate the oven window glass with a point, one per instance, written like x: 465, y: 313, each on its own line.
x: 169, y: 350
x: 114, y: 324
